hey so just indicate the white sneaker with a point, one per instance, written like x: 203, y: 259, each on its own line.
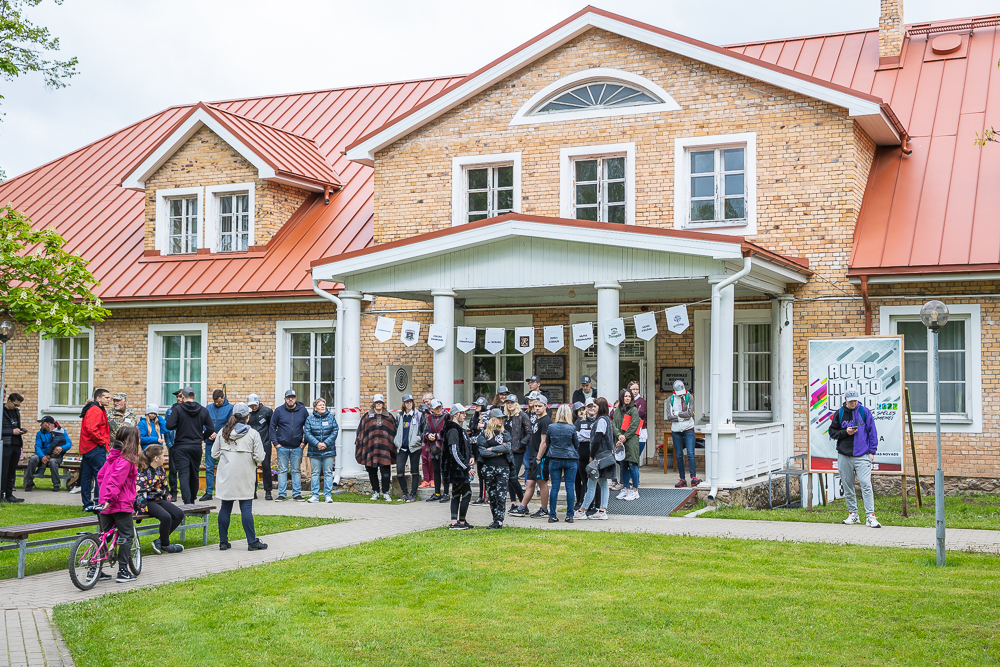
x: 852, y: 519
x: 873, y: 522
x: 76, y: 489
x: 314, y: 499
x: 376, y: 496
x: 329, y: 499
x: 386, y: 497
x: 634, y: 495
x: 621, y: 494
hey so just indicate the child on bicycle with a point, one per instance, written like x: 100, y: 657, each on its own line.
x: 117, y: 483
x: 153, y: 498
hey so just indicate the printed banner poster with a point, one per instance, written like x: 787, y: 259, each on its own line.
x: 583, y: 335
x: 437, y: 336
x: 409, y: 333
x: 614, y: 331
x: 524, y: 339
x: 494, y: 340
x: 645, y: 325
x: 677, y: 319
x: 466, y: 338
x: 553, y: 338
x: 384, y: 327
x: 874, y: 366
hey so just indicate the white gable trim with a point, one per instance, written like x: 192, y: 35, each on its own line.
x: 869, y: 112
x: 200, y: 118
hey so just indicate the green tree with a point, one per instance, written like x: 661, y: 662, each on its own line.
x: 42, y: 286
x: 990, y: 135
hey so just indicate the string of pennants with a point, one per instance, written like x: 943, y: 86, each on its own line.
x: 553, y: 337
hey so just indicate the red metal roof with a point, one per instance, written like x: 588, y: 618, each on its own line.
x: 81, y: 197
x: 935, y: 210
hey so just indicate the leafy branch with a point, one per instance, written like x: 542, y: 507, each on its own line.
x: 24, y: 47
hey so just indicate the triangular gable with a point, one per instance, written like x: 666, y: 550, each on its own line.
x: 871, y: 112
x: 277, y: 155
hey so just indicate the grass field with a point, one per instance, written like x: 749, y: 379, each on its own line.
x: 529, y: 597
x: 960, y: 511
x: 47, y: 561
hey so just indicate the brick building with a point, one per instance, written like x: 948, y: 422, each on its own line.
x: 605, y: 169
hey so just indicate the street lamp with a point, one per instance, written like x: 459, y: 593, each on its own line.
x: 934, y: 315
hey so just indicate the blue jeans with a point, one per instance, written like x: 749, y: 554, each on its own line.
x: 209, y: 468
x: 684, y: 442
x: 290, y: 457
x: 315, y: 464
x: 527, y: 464
x: 592, y: 485
x: 246, y: 514
x: 90, y: 464
x: 631, y: 475
x: 560, y: 470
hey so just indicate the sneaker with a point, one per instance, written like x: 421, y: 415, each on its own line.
x: 553, y: 519
x: 386, y: 497
x: 298, y: 499
x: 224, y: 545
x: 12, y: 499
x: 695, y: 481
x: 313, y: 499
x: 329, y: 499
x: 569, y: 518
x: 425, y: 485
x: 279, y: 498
x: 513, y: 506
x: 77, y: 489
x: 617, y: 486
x: 457, y: 525
x: 621, y: 494
x: 518, y: 511
x: 479, y: 501
x: 580, y: 514
x: 873, y: 522
x: 599, y: 515
x: 404, y: 498
x: 375, y: 496
x: 432, y: 498
x: 267, y: 496
x: 102, y: 575
x: 634, y: 495
x: 541, y: 513
x: 256, y: 546
x: 466, y: 525
x: 496, y: 525
x: 681, y: 484
x: 174, y: 548
x: 207, y: 496
x: 29, y: 489
x: 445, y: 498
x: 156, y: 547
x: 852, y: 519
x: 124, y: 576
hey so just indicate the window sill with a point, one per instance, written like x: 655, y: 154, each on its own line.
x: 710, y: 224
x: 945, y: 419
x: 203, y: 253
x: 62, y: 412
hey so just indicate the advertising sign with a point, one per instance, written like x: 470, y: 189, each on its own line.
x: 873, y: 365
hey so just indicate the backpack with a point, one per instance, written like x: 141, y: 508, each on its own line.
x: 861, y: 413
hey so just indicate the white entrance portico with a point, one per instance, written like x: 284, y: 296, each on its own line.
x: 528, y: 263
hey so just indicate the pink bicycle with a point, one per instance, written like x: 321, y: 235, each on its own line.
x: 92, y: 550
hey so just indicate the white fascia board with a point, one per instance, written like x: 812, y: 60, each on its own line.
x: 856, y: 106
x: 137, y: 179
x: 295, y: 183
x: 778, y: 271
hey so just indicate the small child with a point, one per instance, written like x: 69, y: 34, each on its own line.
x: 153, y: 498
x: 117, y: 484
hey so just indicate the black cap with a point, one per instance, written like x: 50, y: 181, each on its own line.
x: 534, y: 378
x: 47, y: 419
x: 585, y: 379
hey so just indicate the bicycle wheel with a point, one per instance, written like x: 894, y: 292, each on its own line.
x: 135, y: 558
x: 85, y: 562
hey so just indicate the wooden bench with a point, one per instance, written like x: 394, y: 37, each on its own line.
x: 70, y: 464
x: 18, y: 535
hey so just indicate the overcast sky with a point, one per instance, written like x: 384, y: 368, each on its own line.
x: 140, y: 56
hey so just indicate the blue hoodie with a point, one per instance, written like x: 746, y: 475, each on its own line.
x: 43, y: 441
x: 151, y: 436
x: 219, y: 415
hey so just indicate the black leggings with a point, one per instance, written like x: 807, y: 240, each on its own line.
x: 373, y: 475
x: 581, y: 478
x: 126, y: 533
x: 168, y: 515
x: 440, y: 483
x: 414, y: 458
x: 514, y: 489
x: 482, y: 482
x: 246, y: 513
x: 461, y: 494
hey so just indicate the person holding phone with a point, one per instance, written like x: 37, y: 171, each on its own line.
x: 853, y: 427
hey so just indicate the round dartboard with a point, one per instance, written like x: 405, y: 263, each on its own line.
x: 401, y: 379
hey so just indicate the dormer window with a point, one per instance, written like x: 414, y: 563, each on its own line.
x: 234, y: 222
x: 183, y: 225
x: 598, y: 95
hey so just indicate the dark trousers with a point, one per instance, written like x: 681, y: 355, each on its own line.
x: 169, y: 516
x: 8, y: 470
x: 581, y: 478
x: 36, y: 469
x: 188, y: 461
x: 439, y: 483
x: 514, y: 489
x: 497, y: 482
x: 265, y: 469
x: 90, y: 465
x: 482, y: 482
x: 461, y: 494
x: 414, y: 458
x: 246, y: 514
x: 126, y: 533
x: 172, y: 476
x: 374, y: 472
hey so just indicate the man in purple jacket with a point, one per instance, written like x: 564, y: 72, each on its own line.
x: 853, y: 428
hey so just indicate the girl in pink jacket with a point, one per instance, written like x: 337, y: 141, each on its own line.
x: 116, y: 482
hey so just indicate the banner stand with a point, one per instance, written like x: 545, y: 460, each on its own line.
x: 913, y: 448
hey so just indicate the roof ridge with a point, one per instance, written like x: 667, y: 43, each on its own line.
x: 338, y: 88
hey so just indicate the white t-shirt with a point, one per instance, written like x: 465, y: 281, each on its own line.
x: 675, y: 407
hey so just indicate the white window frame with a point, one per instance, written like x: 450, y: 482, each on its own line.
x: 45, y: 357
x: 703, y: 361
x: 970, y: 313
x: 683, y: 146
x: 507, y: 322
x: 162, y: 223
x: 282, y: 352
x: 459, y: 165
x: 154, y: 362
x: 212, y: 194
x: 567, y: 190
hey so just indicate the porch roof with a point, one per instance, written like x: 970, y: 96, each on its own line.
x: 497, y: 258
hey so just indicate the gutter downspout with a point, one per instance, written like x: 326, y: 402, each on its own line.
x: 716, y: 398
x: 868, y: 305
x: 338, y: 374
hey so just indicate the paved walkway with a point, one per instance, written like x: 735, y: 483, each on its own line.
x: 31, y: 638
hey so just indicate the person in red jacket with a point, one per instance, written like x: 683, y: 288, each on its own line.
x: 95, y: 437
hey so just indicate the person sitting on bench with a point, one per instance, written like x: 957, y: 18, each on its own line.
x: 51, y: 444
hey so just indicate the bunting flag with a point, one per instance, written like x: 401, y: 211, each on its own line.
x: 524, y: 339
x: 384, y: 328
x: 614, y: 331
x: 645, y: 325
x: 494, y: 340
x: 583, y: 335
x: 437, y: 336
x: 677, y: 319
x: 466, y: 339
x: 409, y: 333
x: 553, y: 338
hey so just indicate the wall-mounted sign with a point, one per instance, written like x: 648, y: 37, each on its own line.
x: 669, y: 375
x: 550, y: 367
x: 555, y: 393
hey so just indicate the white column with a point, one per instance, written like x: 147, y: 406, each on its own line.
x: 783, y: 381
x: 444, y: 359
x: 607, y: 355
x: 350, y: 332
x: 722, y: 404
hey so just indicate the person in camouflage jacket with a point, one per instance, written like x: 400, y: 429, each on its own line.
x: 121, y: 415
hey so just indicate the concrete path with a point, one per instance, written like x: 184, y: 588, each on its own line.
x: 31, y: 638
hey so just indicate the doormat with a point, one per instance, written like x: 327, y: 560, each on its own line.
x: 651, y: 502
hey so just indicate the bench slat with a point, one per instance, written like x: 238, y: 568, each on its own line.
x: 23, y: 531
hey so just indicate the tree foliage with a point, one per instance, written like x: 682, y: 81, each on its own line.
x: 24, y: 47
x: 42, y: 286
x: 990, y: 135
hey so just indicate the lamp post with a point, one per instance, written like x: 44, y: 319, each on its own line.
x: 6, y: 333
x: 934, y: 315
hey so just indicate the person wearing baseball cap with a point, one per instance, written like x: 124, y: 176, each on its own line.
x: 584, y: 423
x: 853, y: 427
x: 432, y: 435
x: 407, y: 440
x: 51, y: 444
x: 191, y: 425
x: 518, y: 427
x: 287, y: 436
x: 679, y: 411
x: 260, y: 421
x: 493, y: 446
x: 586, y: 390
x: 534, y: 384
x: 375, y: 447
x: 458, y: 466
x: 120, y: 414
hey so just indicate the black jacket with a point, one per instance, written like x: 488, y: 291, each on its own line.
x: 288, y: 426
x: 190, y: 423
x: 519, y: 429
x: 494, y: 451
x: 260, y: 421
x: 456, y: 454
x: 580, y: 397
x: 11, y: 420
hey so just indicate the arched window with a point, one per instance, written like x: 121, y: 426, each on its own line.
x: 597, y: 95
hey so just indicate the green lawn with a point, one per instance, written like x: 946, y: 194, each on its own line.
x: 47, y: 561
x: 960, y: 511
x: 530, y: 597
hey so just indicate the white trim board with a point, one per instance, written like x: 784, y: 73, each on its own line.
x: 460, y: 164
x: 161, y: 225
x: 682, y: 181
x: 702, y: 322
x: 566, y: 180
x: 45, y: 407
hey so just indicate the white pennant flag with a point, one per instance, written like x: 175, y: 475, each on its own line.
x: 583, y: 335
x: 494, y: 340
x: 645, y: 325
x: 614, y: 331
x: 553, y: 338
x: 384, y: 328
x: 466, y: 339
x: 677, y: 319
x: 524, y: 339
x: 437, y: 336
x: 409, y: 333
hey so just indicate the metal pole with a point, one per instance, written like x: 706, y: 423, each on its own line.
x: 3, y: 388
x: 938, y: 474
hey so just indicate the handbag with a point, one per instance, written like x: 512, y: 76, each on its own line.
x: 619, y: 452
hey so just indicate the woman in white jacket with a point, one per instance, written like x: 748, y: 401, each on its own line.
x: 238, y: 450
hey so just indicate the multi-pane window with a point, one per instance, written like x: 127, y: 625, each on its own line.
x: 489, y: 192
x: 182, y: 236
x: 600, y: 95
x: 751, y: 368
x: 181, y: 362
x: 71, y: 370
x: 312, y: 365
x: 919, y: 365
x: 718, y: 186
x: 599, y: 189
x: 489, y: 371
x: 234, y: 222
